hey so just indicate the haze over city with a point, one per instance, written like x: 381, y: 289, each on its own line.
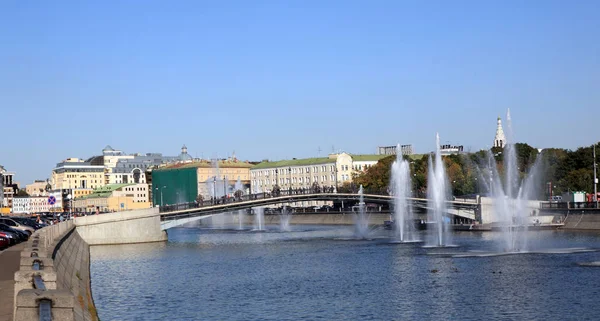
x: 275, y: 80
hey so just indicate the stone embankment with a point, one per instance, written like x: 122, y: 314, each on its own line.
x: 54, y: 276
x: 582, y: 222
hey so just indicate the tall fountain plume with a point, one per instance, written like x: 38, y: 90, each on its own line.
x: 238, y: 185
x: 259, y: 214
x: 361, y: 220
x: 284, y: 220
x: 241, y: 219
x: 437, y: 194
x: 401, y: 189
x: 511, y: 195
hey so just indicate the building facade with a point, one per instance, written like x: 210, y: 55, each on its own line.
x: 446, y: 150
x: 393, y: 150
x: 184, y: 182
x: 38, y: 188
x: 113, y: 198
x: 74, y: 173
x: 324, y: 172
x: 30, y: 205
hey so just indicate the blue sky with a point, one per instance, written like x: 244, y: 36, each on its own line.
x: 279, y: 79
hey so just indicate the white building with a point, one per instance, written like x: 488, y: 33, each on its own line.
x: 30, y: 205
x: 21, y: 205
x: 332, y: 171
x: 500, y: 139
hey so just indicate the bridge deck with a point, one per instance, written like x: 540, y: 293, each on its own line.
x: 258, y: 200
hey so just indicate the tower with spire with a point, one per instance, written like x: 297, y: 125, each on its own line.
x: 500, y: 139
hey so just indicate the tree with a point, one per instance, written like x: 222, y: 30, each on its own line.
x: 22, y: 193
x: 376, y: 179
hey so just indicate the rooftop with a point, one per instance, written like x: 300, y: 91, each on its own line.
x: 206, y: 164
x: 295, y: 162
x: 367, y: 158
x: 104, y: 191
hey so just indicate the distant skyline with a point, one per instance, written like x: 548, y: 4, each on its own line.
x: 275, y: 80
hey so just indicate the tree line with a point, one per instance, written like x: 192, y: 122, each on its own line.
x: 556, y: 171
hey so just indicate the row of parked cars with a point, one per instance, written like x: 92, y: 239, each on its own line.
x: 14, y: 230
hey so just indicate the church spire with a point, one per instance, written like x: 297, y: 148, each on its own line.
x: 500, y: 139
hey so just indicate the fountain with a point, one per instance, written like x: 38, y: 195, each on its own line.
x: 401, y: 185
x: 284, y: 220
x: 241, y: 218
x: 437, y: 194
x: 259, y: 215
x: 361, y: 220
x: 510, y: 199
x: 216, y: 185
x: 238, y: 186
x: 259, y: 218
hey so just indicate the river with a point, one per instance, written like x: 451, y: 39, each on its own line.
x: 322, y: 273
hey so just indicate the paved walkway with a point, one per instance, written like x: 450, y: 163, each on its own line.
x: 9, y: 264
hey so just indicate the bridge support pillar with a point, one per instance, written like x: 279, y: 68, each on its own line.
x: 127, y: 227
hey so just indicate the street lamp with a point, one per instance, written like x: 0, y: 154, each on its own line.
x: 336, y: 178
x: 214, y: 189
x: 290, y: 182
x: 161, y: 195
x: 224, y: 187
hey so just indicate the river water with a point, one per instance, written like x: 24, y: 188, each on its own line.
x: 322, y: 273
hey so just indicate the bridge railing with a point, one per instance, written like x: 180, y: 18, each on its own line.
x: 569, y: 205
x: 247, y: 197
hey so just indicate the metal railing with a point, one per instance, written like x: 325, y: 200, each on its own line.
x: 467, y: 203
x: 569, y: 205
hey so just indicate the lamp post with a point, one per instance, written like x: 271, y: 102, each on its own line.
x: 595, y: 179
x: 336, y: 178
x: 214, y: 189
x: 161, y: 195
x: 224, y: 187
x: 290, y: 183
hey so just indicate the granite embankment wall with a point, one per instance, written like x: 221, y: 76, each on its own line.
x: 61, y: 258
x: 582, y: 222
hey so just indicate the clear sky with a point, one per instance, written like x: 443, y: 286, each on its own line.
x: 279, y: 79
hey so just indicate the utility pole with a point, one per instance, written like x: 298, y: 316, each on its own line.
x: 595, y: 179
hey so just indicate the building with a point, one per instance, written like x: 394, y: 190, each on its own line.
x: 74, y: 173
x: 446, y: 150
x: 38, y: 188
x: 393, y: 150
x: 30, y: 205
x: 113, y: 198
x: 20, y: 205
x: 183, y: 182
x: 332, y: 171
x: 500, y: 139
x: 8, y: 188
x: 361, y: 163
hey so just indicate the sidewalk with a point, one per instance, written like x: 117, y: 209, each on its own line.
x: 10, y: 259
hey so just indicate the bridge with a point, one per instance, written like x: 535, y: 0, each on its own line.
x: 179, y: 214
x: 150, y: 225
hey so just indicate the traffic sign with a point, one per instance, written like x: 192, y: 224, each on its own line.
x: 51, y: 200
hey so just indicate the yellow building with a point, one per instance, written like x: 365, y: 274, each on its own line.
x: 114, y: 198
x: 74, y: 173
x: 37, y: 188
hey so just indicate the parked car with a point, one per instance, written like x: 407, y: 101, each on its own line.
x: 14, y: 224
x: 13, y: 238
x: 4, y: 242
x: 29, y: 222
x: 21, y: 236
